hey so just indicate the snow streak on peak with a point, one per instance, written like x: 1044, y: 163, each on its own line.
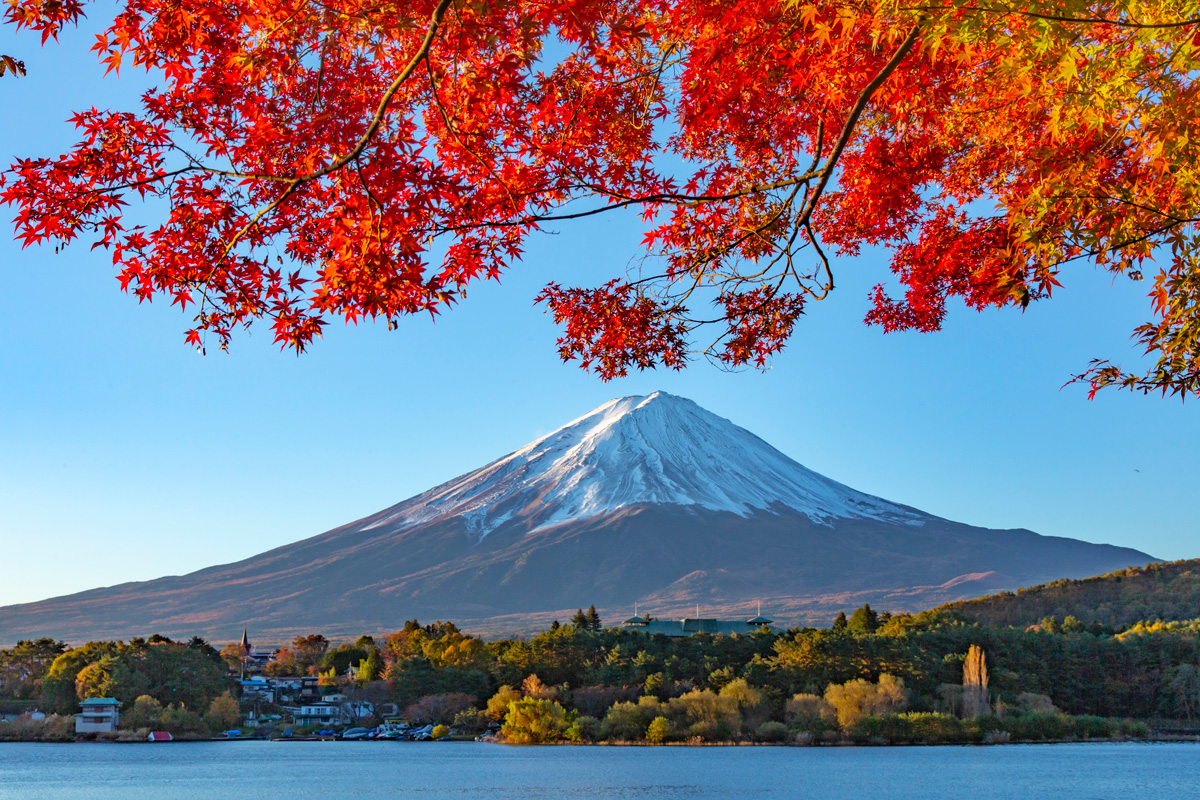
x: 653, y: 449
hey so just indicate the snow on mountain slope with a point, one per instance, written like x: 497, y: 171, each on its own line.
x: 655, y: 449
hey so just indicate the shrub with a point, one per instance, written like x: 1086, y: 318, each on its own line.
x: 809, y: 712
x: 583, y: 729
x: 914, y: 727
x: 1032, y: 703
x: 54, y: 728
x: 858, y: 698
x: 627, y: 722
x: 533, y: 721
x: 439, y: 732
x: 751, y: 703
x: 771, y: 732
x: 706, y: 714
x: 471, y: 719
x: 933, y: 728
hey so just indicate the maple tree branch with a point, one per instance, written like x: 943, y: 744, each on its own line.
x: 372, y: 128
x: 1120, y: 23
x: 377, y: 121
x: 812, y: 237
x: 856, y: 111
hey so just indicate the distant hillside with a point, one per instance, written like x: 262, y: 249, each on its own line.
x: 1163, y: 590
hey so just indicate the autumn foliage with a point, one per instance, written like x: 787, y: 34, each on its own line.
x: 367, y: 159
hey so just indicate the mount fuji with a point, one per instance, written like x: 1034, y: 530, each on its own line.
x: 647, y: 499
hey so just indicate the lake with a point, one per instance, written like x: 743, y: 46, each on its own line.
x: 325, y: 770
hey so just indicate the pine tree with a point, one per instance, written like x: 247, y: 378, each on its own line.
x: 593, y: 619
x: 580, y: 620
x: 864, y: 620
x: 839, y: 624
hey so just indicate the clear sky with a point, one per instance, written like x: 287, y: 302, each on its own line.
x: 125, y: 455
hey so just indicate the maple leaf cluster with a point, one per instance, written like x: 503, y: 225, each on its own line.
x: 360, y: 159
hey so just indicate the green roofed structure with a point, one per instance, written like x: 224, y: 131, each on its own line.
x: 690, y: 626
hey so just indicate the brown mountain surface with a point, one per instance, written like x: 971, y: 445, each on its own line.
x: 669, y: 559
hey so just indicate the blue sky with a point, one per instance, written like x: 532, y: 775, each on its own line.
x: 125, y: 455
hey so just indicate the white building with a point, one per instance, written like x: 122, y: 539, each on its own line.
x: 100, y: 715
x: 316, y: 714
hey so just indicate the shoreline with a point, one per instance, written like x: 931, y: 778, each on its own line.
x: 1160, y: 739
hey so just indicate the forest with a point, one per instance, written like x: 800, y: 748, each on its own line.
x: 1117, y: 600
x: 934, y: 676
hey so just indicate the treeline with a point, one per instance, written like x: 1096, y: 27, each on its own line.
x: 582, y: 681
x: 180, y: 687
x: 1115, y: 601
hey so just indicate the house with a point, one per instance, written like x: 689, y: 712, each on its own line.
x: 690, y: 626
x: 99, y: 715
x: 316, y: 714
x: 261, y: 656
x: 281, y: 690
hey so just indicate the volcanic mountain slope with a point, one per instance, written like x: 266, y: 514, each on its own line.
x: 649, y: 499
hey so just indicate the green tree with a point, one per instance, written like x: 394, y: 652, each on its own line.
x: 593, y: 619
x: 863, y: 620
x: 107, y: 677
x: 58, y: 685
x: 533, y: 721
x: 176, y: 718
x: 371, y: 668
x: 839, y: 622
x: 24, y: 665
x: 144, y: 713
x: 341, y: 658
x: 579, y: 620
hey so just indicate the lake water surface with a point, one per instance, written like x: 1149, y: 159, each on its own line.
x: 325, y: 770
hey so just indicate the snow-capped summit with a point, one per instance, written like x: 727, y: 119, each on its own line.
x: 658, y: 449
